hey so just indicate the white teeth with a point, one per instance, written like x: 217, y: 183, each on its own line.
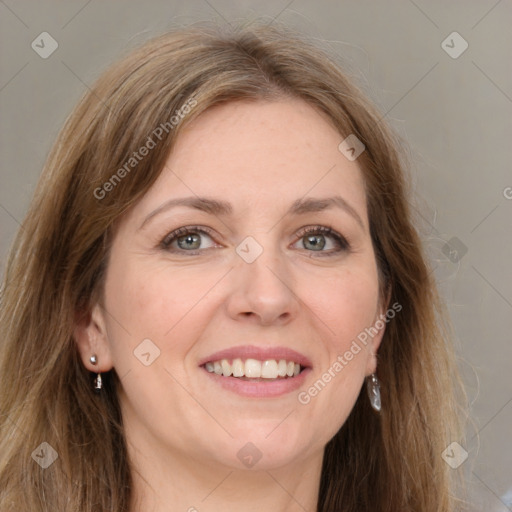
x: 254, y: 369
x: 238, y: 368
x: 217, y: 368
x: 226, y: 368
x: 269, y: 369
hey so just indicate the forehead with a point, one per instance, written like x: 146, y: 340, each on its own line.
x: 259, y: 154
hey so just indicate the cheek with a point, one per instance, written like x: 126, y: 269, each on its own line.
x: 345, y: 308
x: 347, y: 304
x: 154, y: 303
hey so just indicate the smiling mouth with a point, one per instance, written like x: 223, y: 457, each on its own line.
x: 254, y: 369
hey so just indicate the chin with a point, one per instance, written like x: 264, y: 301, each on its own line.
x: 270, y: 446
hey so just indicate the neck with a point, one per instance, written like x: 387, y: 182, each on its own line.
x: 173, y: 481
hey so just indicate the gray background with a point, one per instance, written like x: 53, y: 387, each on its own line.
x: 455, y: 113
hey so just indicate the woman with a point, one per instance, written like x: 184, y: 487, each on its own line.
x: 218, y: 256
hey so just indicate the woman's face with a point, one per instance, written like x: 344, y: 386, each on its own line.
x: 256, y: 280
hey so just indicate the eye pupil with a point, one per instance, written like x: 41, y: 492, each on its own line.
x: 189, y: 239
x: 317, y: 241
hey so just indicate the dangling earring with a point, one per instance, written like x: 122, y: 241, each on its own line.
x: 373, y: 388
x: 98, y: 384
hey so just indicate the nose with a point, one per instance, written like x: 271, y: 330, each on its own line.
x: 262, y: 291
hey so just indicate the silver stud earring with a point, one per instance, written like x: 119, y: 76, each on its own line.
x: 98, y: 384
x: 373, y: 388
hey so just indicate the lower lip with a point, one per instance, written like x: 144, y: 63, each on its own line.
x: 260, y: 389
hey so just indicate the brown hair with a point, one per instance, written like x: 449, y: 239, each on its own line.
x: 388, y: 462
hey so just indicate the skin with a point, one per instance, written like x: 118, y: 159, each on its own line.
x: 183, y: 431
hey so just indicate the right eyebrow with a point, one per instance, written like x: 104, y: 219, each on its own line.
x: 204, y: 204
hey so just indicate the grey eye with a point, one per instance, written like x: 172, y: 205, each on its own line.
x: 190, y: 241
x: 314, y: 242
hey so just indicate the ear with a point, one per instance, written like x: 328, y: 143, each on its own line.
x: 90, y: 334
x: 379, y: 324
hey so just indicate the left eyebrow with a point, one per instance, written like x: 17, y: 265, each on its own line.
x: 312, y: 205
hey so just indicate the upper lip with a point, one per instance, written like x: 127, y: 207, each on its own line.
x: 259, y: 353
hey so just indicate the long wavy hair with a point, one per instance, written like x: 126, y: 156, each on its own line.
x: 376, y: 462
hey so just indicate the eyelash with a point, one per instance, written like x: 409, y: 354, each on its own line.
x: 340, y: 241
